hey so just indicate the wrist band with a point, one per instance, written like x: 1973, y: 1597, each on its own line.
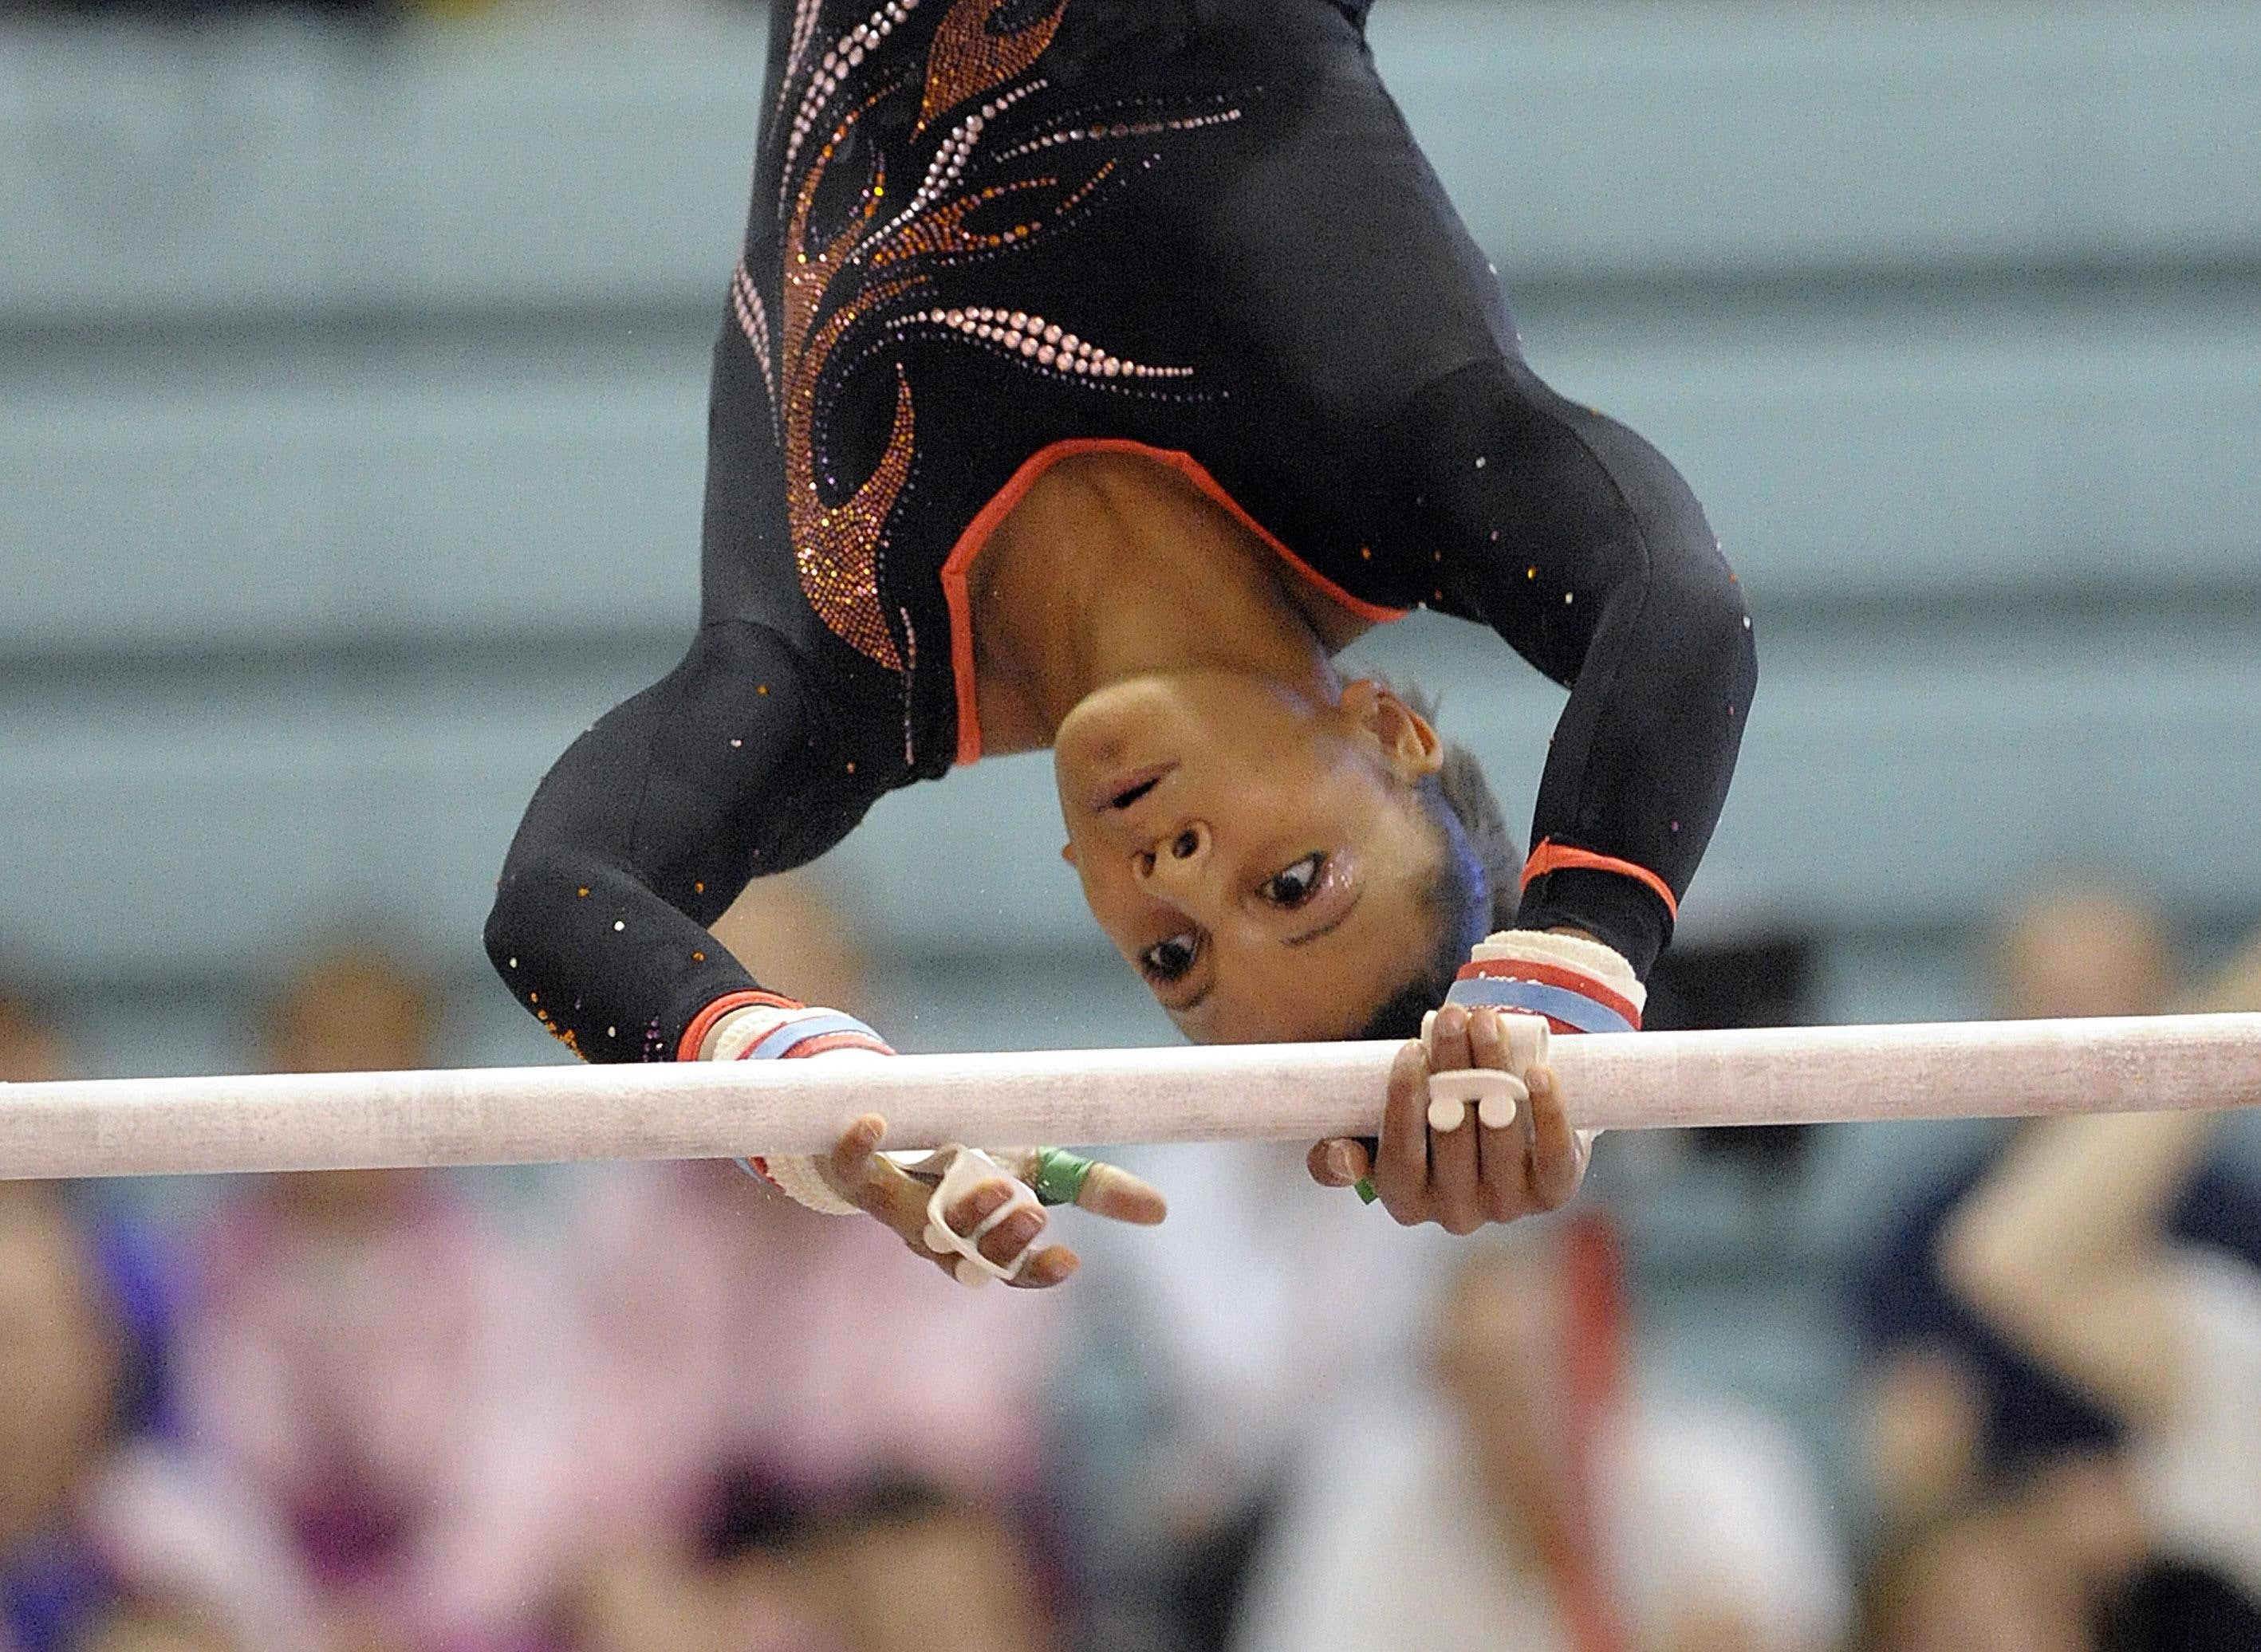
x: 761, y: 1026
x: 1575, y: 985
x: 813, y: 1033
x: 799, y: 1179
x: 1059, y: 1176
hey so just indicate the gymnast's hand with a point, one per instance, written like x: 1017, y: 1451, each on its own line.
x: 858, y: 1172
x: 1461, y: 1179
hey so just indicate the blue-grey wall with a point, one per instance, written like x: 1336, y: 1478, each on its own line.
x: 351, y: 436
x: 351, y: 424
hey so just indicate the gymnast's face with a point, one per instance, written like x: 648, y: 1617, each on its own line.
x: 1259, y: 858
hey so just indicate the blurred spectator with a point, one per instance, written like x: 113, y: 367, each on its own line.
x: 728, y: 1348
x: 740, y: 1582
x: 718, y: 1326
x: 904, y: 1568
x: 1977, y: 1580
x: 2065, y: 1564
x: 32, y: 1048
x: 1206, y: 1351
x: 1544, y: 1505
x: 107, y: 1540
x: 1955, y: 1413
x: 364, y: 1361
x: 2062, y: 1249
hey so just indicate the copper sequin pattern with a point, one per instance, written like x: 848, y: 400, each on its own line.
x: 967, y: 59
x: 871, y: 276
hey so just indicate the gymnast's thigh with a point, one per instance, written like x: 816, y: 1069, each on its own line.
x: 1331, y: 247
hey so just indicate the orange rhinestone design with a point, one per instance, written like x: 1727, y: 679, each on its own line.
x: 875, y: 267
x: 967, y: 61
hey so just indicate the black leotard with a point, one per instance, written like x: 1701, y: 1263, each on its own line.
x: 987, y: 232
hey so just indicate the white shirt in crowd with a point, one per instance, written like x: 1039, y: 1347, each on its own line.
x: 2198, y: 1474
x: 1388, y: 1542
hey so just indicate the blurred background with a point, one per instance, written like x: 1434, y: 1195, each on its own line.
x: 352, y: 396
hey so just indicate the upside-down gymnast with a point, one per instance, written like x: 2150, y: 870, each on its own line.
x: 1097, y: 370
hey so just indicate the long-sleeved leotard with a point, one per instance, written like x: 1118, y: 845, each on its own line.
x: 988, y: 233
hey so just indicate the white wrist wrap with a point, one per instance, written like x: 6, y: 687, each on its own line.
x: 765, y: 1031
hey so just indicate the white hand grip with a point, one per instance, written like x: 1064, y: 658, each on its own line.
x: 1495, y: 1094
x: 969, y: 1169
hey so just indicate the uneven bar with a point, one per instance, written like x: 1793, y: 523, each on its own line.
x: 128, y: 1127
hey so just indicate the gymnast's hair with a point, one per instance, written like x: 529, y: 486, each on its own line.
x: 1472, y: 890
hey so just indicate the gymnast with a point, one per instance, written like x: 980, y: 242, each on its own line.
x: 1095, y: 371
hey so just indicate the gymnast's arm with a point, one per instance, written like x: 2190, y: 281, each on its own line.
x: 646, y: 830
x: 1583, y: 548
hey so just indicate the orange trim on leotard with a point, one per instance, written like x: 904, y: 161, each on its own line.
x: 1551, y: 856
x: 703, y: 1023
x: 991, y: 516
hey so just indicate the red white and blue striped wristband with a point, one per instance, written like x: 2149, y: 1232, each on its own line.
x: 1565, y: 979
x: 1569, y: 1006
x: 812, y: 1034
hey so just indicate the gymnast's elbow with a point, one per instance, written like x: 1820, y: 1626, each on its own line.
x: 1692, y: 625
x: 1710, y: 612
x: 506, y: 926
x: 528, y: 897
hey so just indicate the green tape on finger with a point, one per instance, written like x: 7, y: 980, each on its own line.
x: 1060, y: 1176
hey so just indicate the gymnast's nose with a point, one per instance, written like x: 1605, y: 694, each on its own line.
x: 1177, y: 862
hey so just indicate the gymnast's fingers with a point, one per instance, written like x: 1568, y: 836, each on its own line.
x: 1558, y: 1155
x: 1338, y: 1163
x: 1503, y: 1154
x: 1112, y: 1192
x: 978, y: 1205
x: 858, y: 1174
x: 1401, y: 1173
x: 1453, y: 1192
x: 1453, y: 1184
x: 1048, y: 1267
x: 1004, y: 1242
x: 1448, y: 1041
x: 876, y: 1185
x: 1486, y: 1039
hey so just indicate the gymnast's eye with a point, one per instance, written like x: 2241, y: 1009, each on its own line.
x: 1169, y: 960
x: 1292, y: 886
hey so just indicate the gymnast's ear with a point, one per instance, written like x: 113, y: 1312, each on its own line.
x: 1408, y: 741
